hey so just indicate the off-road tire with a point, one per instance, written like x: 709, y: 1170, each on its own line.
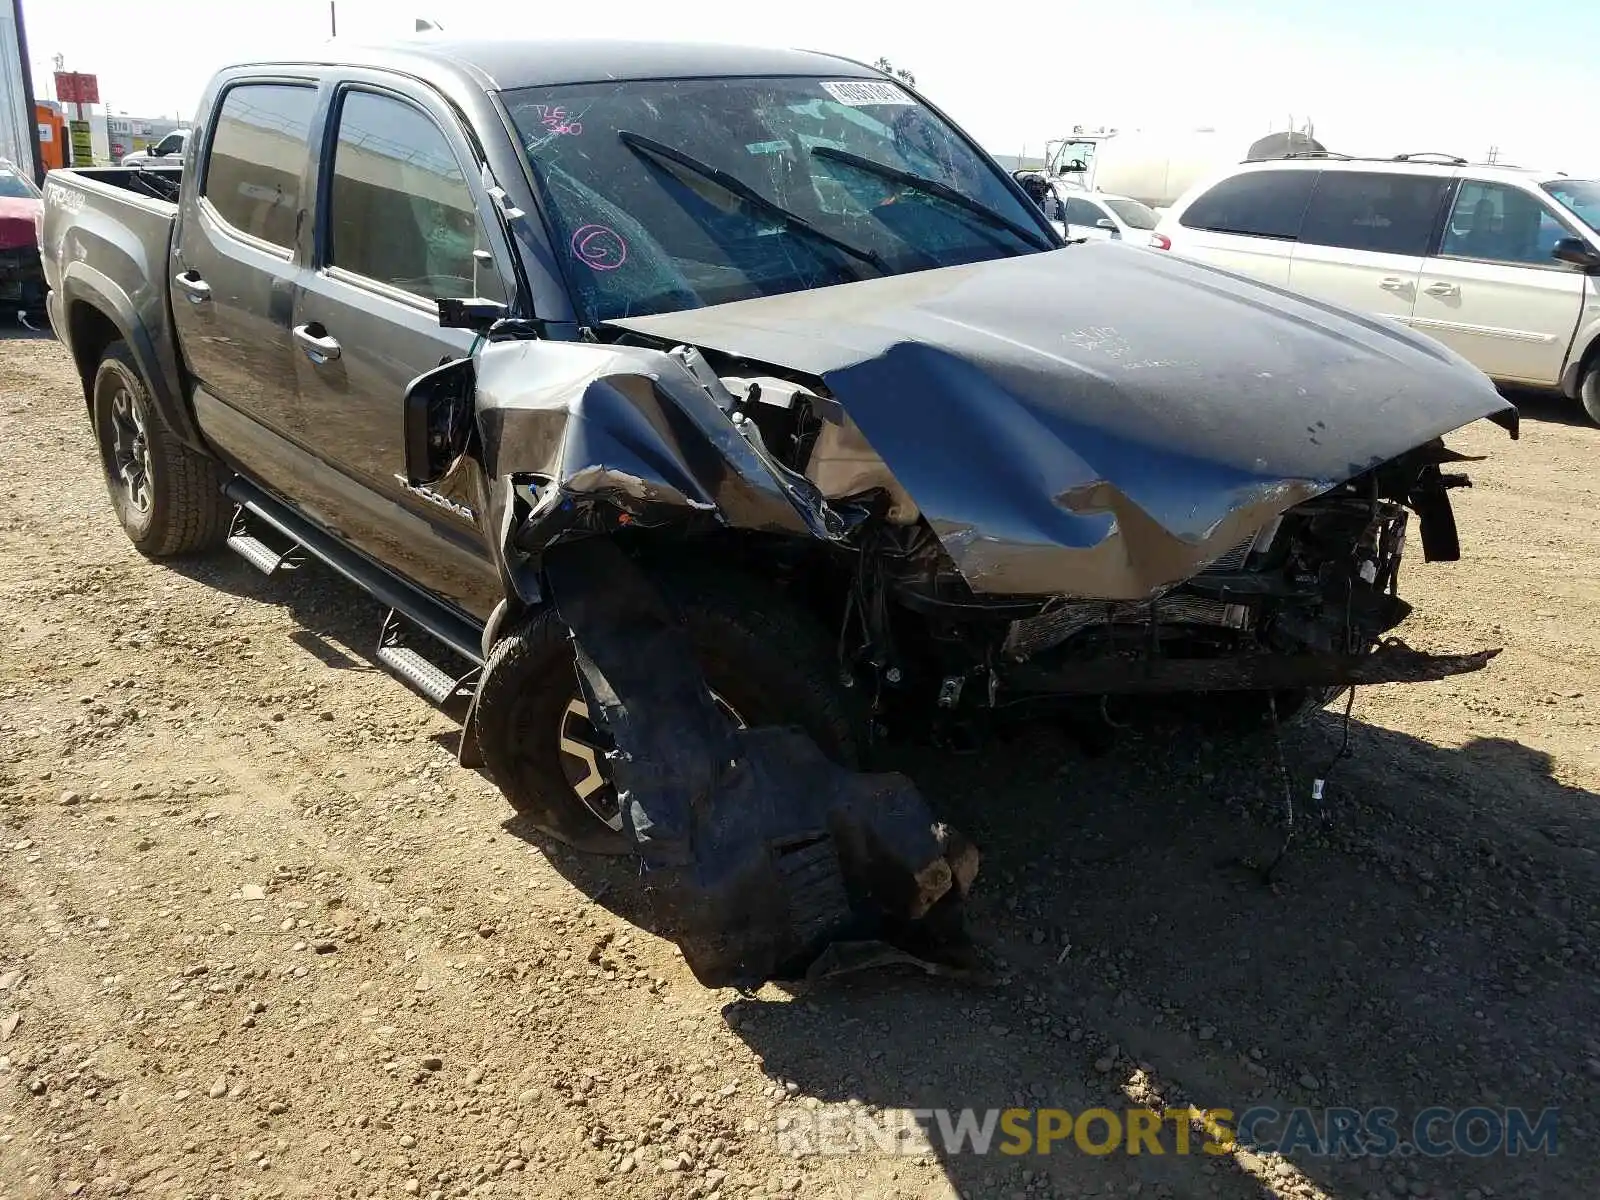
x: 1589, y: 391
x: 763, y: 655
x: 187, y: 512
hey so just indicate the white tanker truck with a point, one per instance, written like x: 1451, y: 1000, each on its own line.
x: 1156, y: 167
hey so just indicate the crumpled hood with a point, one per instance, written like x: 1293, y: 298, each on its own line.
x: 1101, y: 420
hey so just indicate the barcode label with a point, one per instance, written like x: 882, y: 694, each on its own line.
x: 866, y: 91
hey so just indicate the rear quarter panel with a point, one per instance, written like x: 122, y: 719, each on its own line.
x: 106, y: 248
x: 1266, y: 259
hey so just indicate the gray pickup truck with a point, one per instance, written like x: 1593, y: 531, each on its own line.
x: 702, y: 415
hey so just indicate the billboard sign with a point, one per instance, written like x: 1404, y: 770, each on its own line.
x: 73, y: 87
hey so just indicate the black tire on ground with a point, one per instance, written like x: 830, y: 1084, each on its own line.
x: 1589, y: 391
x: 167, y: 497
x: 763, y: 656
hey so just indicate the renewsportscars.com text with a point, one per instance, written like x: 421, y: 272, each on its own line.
x: 1475, y: 1131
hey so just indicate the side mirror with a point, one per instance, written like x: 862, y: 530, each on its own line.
x: 1106, y: 223
x: 1577, y: 252
x: 438, y: 418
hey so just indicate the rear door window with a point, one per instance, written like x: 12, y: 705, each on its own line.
x: 259, y: 149
x: 1266, y: 204
x: 400, y: 210
x: 1374, y: 211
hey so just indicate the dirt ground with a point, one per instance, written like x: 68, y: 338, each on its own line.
x: 259, y: 936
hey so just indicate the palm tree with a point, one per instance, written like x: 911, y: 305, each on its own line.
x: 900, y: 73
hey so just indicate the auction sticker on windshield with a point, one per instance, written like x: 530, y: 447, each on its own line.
x: 866, y: 91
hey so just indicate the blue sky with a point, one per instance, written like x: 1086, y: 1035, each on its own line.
x: 1377, y: 76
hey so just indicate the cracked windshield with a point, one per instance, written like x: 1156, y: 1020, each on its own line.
x: 675, y: 194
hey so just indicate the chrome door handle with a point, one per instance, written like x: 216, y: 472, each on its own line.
x: 1391, y: 284
x: 319, y: 348
x: 195, y: 288
x: 1442, y: 289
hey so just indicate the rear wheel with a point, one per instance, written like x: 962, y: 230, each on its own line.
x: 1589, y: 391
x: 167, y: 496
x: 765, y: 661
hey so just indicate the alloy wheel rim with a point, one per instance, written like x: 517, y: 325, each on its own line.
x: 130, y: 449
x: 582, y: 746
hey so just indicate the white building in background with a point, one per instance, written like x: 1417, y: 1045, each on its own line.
x: 18, y: 125
x: 128, y: 134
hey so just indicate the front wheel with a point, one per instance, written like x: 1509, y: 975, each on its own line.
x: 764, y: 660
x: 1589, y: 392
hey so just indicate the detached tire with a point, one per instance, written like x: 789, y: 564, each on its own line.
x: 764, y: 659
x: 1589, y: 391
x: 167, y: 497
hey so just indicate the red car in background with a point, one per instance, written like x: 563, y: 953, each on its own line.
x: 21, y: 273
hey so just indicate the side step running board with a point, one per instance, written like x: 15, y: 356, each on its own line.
x: 449, y: 692
x: 258, y: 513
x: 256, y: 552
x: 448, y: 625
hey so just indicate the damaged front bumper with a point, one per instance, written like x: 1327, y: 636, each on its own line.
x: 1391, y: 662
x: 22, y: 284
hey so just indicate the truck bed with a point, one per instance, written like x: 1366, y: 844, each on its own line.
x: 106, y: 241
x: 151, y: 183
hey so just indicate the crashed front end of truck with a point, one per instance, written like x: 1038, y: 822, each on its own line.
x: 1140, y: 480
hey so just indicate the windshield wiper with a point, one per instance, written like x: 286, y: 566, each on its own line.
x: 736, y: 187
x: 934, y: 188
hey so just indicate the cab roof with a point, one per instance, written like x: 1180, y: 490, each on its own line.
x: 502, y: 64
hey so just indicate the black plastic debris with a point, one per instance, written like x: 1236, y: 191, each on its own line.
x: 758, y: 851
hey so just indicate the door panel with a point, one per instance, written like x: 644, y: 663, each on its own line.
x: 1512, y: 323
x: 1377, y: 285
x: 234, y: 269
x: 398, y: 227
x: 1494, y: 294
x: 232, y: 300
x: 351, y: 416
x: 1363, y: 238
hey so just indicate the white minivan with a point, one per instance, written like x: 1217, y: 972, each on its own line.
x: 1501, y: 265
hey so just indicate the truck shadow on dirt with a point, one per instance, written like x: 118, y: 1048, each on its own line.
x: 1417, y: 948
x: 1549, y: 408
x: 1429, y: 939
